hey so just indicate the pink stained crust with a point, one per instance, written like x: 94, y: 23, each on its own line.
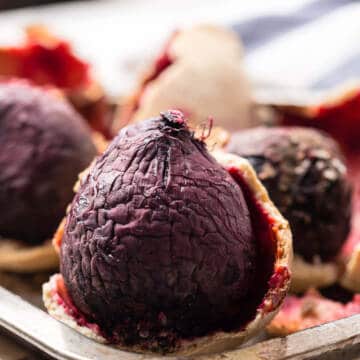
x: 354, y: 237
x: 47, y: 65
x: 326, y: 117
x: 61, y: 295
x: 275, y: 296
x: 312, y: 309
x: 275, y: 288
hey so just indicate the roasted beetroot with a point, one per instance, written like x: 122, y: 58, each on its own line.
x: 162, y: 246
x: 339, y: 115
x: 44, y: 145
x: 303, y: 171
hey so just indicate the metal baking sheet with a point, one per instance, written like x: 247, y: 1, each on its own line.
x: 339, y: 339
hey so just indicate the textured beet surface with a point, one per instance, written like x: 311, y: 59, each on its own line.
x: 44, y: 145
x: 158, y: 244
x: 303, y: 171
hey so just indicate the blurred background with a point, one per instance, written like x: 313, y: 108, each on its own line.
x: 298, y: 44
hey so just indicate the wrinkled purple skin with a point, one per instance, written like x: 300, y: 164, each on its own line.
x: 44, y: 145
x: 302, y: 170
x: 158, y: 244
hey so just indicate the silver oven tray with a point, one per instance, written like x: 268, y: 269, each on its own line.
x: 21, y: 316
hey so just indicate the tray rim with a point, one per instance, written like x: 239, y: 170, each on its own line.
x: 63, y: 343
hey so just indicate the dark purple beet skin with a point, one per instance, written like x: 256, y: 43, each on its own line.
x: 304, y: 173
x: 44, y: 145
x: 158, y: 244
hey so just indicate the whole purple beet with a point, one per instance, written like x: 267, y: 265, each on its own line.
x: 44, y: 145
x: 157, y: 228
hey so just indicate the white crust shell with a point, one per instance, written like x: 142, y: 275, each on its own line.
x: 58, y: 312
x: 351, y: 276
x: 16, y: 256
x: 312, y: 275
x: 206, y: 78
